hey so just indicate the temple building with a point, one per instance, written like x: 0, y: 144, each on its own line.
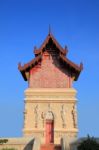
x: 50, y: 100
x: 50, y: 113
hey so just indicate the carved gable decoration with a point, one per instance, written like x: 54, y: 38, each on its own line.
x: 52, y: 58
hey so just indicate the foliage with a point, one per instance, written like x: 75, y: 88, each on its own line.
x: 2, y: 141
x: 88, y: 144
x: 8, y: 149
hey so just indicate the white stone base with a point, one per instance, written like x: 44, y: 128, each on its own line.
x: 61, y: 101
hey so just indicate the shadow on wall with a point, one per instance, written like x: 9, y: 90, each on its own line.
x: 30, y: 145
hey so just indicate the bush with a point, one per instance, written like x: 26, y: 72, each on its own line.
x: 88, y: 144
x: 2, y: 141
x: 8, y: 149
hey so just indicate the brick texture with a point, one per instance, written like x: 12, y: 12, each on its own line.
x: 49, y: 73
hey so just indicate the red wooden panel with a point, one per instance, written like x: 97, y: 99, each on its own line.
x: 49, y: 132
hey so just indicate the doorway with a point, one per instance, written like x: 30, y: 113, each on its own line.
x: 49, y: 128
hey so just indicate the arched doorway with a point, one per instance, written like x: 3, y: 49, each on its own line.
x: 49, y: 127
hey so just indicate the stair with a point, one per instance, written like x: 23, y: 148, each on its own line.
x: 50, y: 147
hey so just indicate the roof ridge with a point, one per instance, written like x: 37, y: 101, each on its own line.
x: 63, y: 50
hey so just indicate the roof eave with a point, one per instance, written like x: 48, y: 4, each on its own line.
x: 77, y: 69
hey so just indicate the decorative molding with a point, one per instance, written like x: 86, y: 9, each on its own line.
x: 48, y: 97
x: 72, y: 130
x: 74, y: 116
x: 50, y: 101
x: 51, y: 90
x: 43, y: 118
x: 36, y: 116
x: 63, y: 116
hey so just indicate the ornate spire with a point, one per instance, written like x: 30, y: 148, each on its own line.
x: 49, y: 29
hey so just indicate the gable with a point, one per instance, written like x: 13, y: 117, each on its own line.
x: 50, y: 74
x: 50, y: 42
x: 52, y: 48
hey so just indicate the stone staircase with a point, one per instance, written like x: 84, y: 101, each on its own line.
x: 50, y: 147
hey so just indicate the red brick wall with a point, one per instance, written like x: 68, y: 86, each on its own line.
x: 49, y: 74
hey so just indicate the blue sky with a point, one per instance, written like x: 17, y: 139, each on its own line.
x: 24, y: 24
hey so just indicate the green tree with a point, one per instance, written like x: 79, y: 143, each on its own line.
x: 2, y: 141
x: 88, y: 144
x: 8, y: 149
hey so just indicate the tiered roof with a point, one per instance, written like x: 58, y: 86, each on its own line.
x: 75, y: 69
